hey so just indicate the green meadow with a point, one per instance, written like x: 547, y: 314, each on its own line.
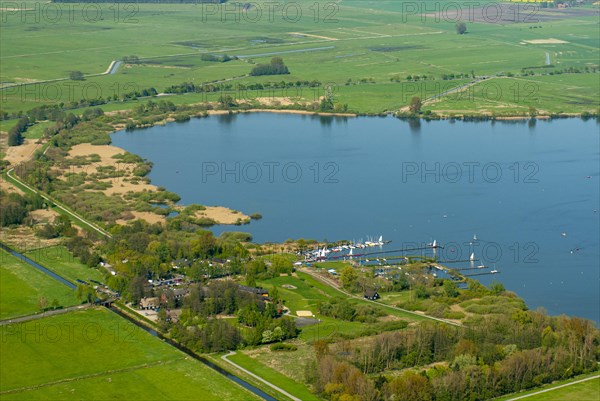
x: 365, y: 50
x: 307, y: 294
x: 294, y: 387
x: 588, y: 390
x: 23, y: 286
x: 61, y: 261
x: 84, y: 354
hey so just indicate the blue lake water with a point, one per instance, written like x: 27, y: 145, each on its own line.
x: 529, y: 192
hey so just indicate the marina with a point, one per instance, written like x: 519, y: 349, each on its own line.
x: 512, y: 223
x: 385, y: 261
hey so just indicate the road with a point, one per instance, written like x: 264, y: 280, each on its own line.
x: 554, y: 388
x: 335, y: 285
x: 43, y: 314
x: 10, y: 175
x: 113, y: 67
x: 279, y: 389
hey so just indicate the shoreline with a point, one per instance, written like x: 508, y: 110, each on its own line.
x: 281, y: 111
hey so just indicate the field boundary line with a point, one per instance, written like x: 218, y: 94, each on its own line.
x: 91, y: 375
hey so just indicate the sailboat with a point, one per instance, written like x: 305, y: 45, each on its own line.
x: 475, y: 237
x: 472, y: 257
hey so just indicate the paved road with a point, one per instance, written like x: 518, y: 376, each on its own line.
x: 335, y: 285
x: 113, y: 67
x: 282, y: 391
x: 554, y: 388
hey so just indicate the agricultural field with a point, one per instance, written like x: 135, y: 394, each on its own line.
x: 23, y: 286
x: 365, y: 51
x: 84, y: 354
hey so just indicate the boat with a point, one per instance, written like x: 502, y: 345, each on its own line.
x: 494, y: 271
x: 472, y: 257
x: 475, y: 237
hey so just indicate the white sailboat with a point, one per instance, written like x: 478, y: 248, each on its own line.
x: 472, y: 257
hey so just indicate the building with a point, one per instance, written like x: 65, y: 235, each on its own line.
x: 258, y: 291
x: 180, y: 292
x: 371, y: 294
x: 149, y: 303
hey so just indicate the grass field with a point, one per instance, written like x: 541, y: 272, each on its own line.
x: 294, y: 387
x: 95, y: 354
x: 62, y: 262
x: 359, y: 47
x: 585, y: 391
x: 307, y: 295
x: 22, y: 286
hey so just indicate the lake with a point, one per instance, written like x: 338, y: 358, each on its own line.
x: 529, y: 191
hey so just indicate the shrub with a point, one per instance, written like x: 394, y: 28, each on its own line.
x: 283, y: 347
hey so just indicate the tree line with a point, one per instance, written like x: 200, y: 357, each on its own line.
x: 500, y: 355
x: 15, y: 207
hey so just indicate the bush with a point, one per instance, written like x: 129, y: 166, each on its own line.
x: 76, y: 76
x: 276, y: 67
x: 283, y: 347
